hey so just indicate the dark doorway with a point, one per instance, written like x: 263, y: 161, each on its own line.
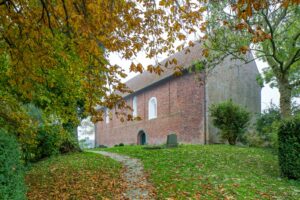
x: 142, y: 139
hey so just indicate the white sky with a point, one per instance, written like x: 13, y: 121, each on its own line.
x: 86, y: 129
x: 268, y: 94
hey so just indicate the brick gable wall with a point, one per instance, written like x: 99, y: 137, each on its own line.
x: 179, y: 110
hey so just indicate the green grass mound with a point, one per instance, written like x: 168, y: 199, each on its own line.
x: 214, y: 172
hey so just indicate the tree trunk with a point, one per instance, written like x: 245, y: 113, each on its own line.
x: 285, y: 91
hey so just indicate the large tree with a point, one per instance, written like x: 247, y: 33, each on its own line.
x: 269, y: 29
x: 56, y: 51
x: 54, y: 55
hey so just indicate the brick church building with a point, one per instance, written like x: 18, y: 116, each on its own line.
x: 180, y: 104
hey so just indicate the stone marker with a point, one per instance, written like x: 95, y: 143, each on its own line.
x: 172, y: 140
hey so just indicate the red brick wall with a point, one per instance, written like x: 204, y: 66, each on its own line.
x: 179, y: 110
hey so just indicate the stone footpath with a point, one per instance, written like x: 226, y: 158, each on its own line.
x: 137, y: 185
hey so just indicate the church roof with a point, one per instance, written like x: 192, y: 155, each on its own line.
x: 185, y: 59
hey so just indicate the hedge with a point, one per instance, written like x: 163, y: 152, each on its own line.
x: 289, y: 148
x: 12, y: 185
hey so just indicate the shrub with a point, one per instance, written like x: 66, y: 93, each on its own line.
x: 253, y: 139
x: 119, y: 145
x: 289, y: 148
x: 102, y: 146
x: 49, y: 140
x: 53, y: 140
x: 69, y: 144
x: 267, y: 125
x: 12, y: 186
x: 231, y: 119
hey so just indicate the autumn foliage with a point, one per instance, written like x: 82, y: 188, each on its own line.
x: 76, y: 176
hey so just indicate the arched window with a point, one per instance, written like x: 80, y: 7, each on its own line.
x: 152, y: 108
x: 107, y: 116
x: 134, y: 107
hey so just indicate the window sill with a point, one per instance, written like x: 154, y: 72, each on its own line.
x: 152, y: 118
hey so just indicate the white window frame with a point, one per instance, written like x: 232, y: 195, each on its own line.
x: 106, y: 116
x: 134, y: 106
x: 152, y: 108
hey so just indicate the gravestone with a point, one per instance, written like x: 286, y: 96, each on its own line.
x: 172, y: 140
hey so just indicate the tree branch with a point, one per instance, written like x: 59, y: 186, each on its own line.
x: 9, y: 42
x: 271, y: 39
x: 296, y: 55
x: 295, y: 38
x: 280, y: 18
x: 66, y: 17
x: 292, y: 59
x: 48, y: 16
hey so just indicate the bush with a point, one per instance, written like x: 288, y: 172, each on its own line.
x: 119, y: 145
x: 253, y: 139
x: 49, y: 140
x: 69, y: 144
x: 267, y: 125
x: 12, y: 186
x: 289, y: 148
x: 231, y: 119
x: 102, y: 146
x: 53, y: 140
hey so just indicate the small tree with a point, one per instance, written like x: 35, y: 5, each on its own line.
x: 267, y: 124
x: 231, y: 119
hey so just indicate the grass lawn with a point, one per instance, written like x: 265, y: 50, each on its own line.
x: 214, y: 172
x: 75, y: 176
